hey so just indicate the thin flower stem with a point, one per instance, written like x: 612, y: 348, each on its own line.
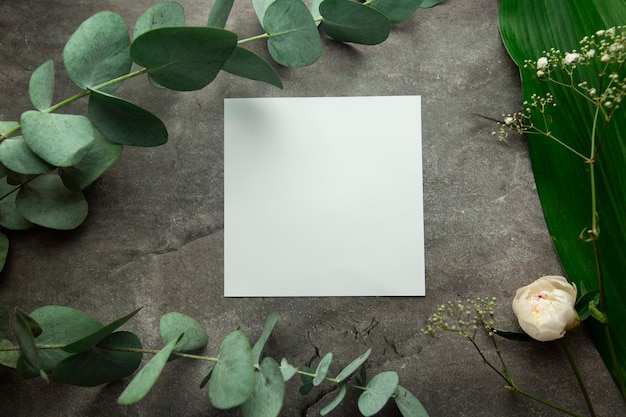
x: 579, y: 377
x: 542, y: 401
x: 557, y: 140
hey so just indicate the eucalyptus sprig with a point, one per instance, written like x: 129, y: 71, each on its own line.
x: 69, y: 346
x: 48, y: 158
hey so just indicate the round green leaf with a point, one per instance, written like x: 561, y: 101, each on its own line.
x: 18, y: 157
x: 269, y: 391
x: 322, y: 369
x: 98, y: 51
x: 61, y: 325
x: 101, y: 364
x: 146, y: 378
x: 164, y: 14
x: 125, y: 123
x: 408, y: 405
x: 46, y: 202
x: 377, y: 393
x: 174, y: 323
x: 287, y: 369
x: 349, y: 21
x: 232, y: 380
x: 396, y: 10
x: 59, y: 139
x: 245, y: 63
x: 100, y: 157
x: 9, y: 216
x: 183, y: 58
x: 294, y: 40
x: 41, y: 86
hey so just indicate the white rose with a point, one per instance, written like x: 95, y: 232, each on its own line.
x: 545, y: 308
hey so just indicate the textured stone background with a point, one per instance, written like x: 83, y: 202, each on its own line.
x: 154, y: 235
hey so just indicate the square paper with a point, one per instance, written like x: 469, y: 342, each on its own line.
x: 323, y: 197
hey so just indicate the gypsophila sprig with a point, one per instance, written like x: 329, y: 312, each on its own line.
x: 463, y: 318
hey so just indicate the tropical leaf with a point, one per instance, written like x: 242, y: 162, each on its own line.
x: 529, y: 28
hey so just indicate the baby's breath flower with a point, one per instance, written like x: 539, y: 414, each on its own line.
x: 605, y: 58
x: 542, y: 63
x: 570, y: 58
x: 590, y: 53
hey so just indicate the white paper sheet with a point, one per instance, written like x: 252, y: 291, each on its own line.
x: 323, y: 197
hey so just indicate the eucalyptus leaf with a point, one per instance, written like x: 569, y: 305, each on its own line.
x: 146, y: 378
x: 232, y: 380
x: 174, y: 323
x: 4, y: 251
x: 245, y: 63
x: 8, y: 358
x: 180, y: 58
x: 16, y: 155
x: 45, y: 201
x: 287, y: 369
x: 269, y: 391
x: 397, y: 11
x: 322, y: 369
x: 315, y: 11
x: 350, y: 21
x: 260, y: 7
x: 206, y: 379
x: 353, y: 366
x: 63, y: 325
x: 10, y: 218
x: 102, y: 155
x: 516, y: 336
x: 125, y: 123
x: 430, y: 3
x: 41, y: 86
x: 90, y: 340
x: 25, y: 338
x: 219, y: 13
x: 160, y: 15
x: 101, y: 364
x: 336, y: 401
x: 377, y: 393
x: 268, y: 328
x: 293, y: 37
x: 408, y: 404
x: 60, y: 139
x: 307, y: 381
x: 97, y: 52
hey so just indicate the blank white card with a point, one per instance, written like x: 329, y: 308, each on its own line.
x: 323, y: 197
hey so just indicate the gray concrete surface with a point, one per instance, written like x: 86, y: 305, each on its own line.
x: 154, y: 235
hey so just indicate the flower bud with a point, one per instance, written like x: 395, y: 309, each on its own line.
x: 545, y: 308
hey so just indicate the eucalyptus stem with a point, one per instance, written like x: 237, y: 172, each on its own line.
x: 578, y: 376
x: 254, y: 38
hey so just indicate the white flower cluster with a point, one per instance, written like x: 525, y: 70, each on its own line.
x: 520, y: 122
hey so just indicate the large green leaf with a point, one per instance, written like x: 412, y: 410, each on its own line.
x: 183, y: 58
x: 60, y: 139
x: 41, y: 86
x: 91, y: 339
x: 528, y: 29
x: 269, y: 391
x: 61, y: 325
x: 101, y: 364
x: 349, y: 21
x: 125, y: 123
x: 146, y: 378
x: 232, y: 378
x: 16, y: 155
x: 98, y: 51
x: 46, y: 201
x: 245, y: 63
x: 219, y: 13
x: 293, y: 37
x: 100, y: 157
